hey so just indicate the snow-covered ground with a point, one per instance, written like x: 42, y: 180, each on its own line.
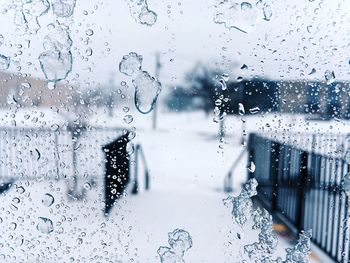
x: 187, y: 167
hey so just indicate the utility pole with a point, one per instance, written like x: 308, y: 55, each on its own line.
x: 158, y: 67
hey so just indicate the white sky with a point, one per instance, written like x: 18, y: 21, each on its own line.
x: 285, y: 47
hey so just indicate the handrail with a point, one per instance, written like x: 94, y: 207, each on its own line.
x: 228, y: 178
x: 139, y: 151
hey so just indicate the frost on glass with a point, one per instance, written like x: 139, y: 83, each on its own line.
x: 242, y: 205
x: 63, y: 8
x: 263, y: 250
x: 299, y: 253
x: 131, y: 64
x: 25, y: 14
x: 4, y: 62
x: 147, y: 88
x: 140, y: 12
x: 267, y: 241
x: 241, y: 15
x: 56, y: 61
x: 179, y: 242
x: 32, y: 11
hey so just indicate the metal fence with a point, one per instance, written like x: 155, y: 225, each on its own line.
x: 74, y: 155
x: 48, y: 154
x: 300, y: 178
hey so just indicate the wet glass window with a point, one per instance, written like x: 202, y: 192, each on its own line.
x: 174, y: 131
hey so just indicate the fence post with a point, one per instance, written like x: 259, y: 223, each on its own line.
x: 135, y: 188
x: 56, y: 157
x: 147, y: 180
x: 274, y: 160
x: 251, y: 153
x: 302, y: 181
x: 345, y: 241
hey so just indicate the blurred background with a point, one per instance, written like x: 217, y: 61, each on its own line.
x: 121, y: 121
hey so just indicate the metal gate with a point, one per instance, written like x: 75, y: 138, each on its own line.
x: 302, y: 181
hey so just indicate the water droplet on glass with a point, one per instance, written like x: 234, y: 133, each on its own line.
x: 251, y: 167
x: 246, y: 5
x: 329, y: 76
x: 19, y: 240
x: 244, y: 66
x: 267, y: 12
x: 48, y: 200
x: 44, y: 225
x: 55, y: 127
x: 88, y: 52
x: 216, y: 111
x: 51, y: 85
x: 218, y: 102
x: 16, y: 200
x: 89, y: 32
x: 20, y: 189
x: 13, y: 226
x: 87, y: 186
x: 241, y: 110
x: 1, y: 40
x: 35, y: 154
x: 225, y: 77
x: 223, y: 84
x: 131, y: 135
x: 313, y: 71
x: 130, y: 148
x: 128, y: 119
x: 26, y: 85
x: 11, y: 100
x: 254, y: 110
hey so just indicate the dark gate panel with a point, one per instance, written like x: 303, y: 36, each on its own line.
x: 117, y: 167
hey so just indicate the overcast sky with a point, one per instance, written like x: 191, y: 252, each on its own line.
x: 301, y: 35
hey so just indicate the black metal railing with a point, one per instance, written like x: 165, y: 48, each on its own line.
x: 140, y: 156
x: 78, y: 155
x: 302, y: 182
x: 228, y: 180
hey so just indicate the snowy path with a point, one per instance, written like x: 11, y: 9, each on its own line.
x: 187, y: 168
